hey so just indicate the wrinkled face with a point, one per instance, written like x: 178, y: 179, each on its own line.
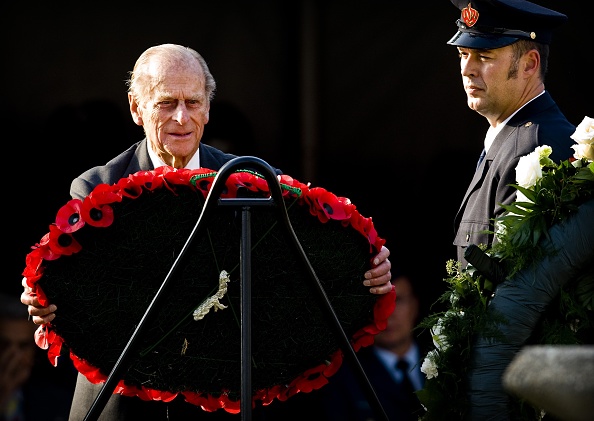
x: 490, y: 78
x: 175, y: 112
x: 403, y: 320
x: 17, y: 349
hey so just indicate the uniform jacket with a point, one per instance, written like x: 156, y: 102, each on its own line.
x: 540, y: 122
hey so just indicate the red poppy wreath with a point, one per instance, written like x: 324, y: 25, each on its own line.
x: 105, y: 257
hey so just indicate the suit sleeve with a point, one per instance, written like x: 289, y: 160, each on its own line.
x: 522, y: 299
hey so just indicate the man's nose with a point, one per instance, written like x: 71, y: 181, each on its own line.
x: 467, y: 68
x: 181, y: 114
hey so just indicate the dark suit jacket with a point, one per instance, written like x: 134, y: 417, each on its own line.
x: 134, y: 159
x: 119, y: 407
x: 343, y: 398
x: 539, y: 123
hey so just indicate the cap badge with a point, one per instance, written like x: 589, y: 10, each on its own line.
x: 469, y: 15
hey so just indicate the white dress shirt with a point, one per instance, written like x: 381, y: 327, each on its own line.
x: 193, y: 164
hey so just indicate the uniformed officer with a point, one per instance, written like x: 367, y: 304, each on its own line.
x: 504, y: 48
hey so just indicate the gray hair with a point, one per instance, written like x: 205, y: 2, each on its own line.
x: 138, y: 84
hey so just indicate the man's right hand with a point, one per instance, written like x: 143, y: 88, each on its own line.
x: 40, y: 315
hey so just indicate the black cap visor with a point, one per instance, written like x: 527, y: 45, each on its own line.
x: 480, y: 41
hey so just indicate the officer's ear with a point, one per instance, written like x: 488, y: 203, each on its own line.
x: 531, y: 63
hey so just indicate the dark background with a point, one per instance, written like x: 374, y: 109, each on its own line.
x: 363, y: 98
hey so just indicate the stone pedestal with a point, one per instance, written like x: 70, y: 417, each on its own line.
x: 556, y: 378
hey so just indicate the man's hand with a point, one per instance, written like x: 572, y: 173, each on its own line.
x: 379, y: 277
x: 40, y: 315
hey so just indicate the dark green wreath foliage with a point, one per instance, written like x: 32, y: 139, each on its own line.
x: 569, y: 319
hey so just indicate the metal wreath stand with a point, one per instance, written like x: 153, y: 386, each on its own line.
x: 213, y: 200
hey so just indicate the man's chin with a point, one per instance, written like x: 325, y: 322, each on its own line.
x: 474, y: 104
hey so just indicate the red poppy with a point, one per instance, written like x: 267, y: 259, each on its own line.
x: 292, y: 187
x: 93, y: 374
x: 55, y: 349
x: 208, y: 402
x: 132, y: 189
x: 147, y: 180
x: 33, y: 271
x: 175, y: 177
x: 68, y: 218
x: 96, y: 215
x: 326, y: 205
x: 203, y: 181
x: 365, y: 227
x: 312, y: 379
x: 41, y: 337
x: 62, y: 243
x: 229, y: 405
x: 105, y: 194
x: 384, y: 308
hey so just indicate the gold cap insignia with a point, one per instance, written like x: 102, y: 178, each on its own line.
x: 469, y: 15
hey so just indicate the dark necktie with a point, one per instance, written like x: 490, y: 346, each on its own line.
x: 407, y: 386
x: 412, y: 401
x: 483, y: 153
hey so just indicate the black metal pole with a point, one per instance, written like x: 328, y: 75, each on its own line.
x: 246, y: 314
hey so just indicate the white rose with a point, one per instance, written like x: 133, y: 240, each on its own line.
x: 528, y: 169
x: 584, y: 136
x: 584, y: 132
x: 583, y: 151
x: 429, y: 367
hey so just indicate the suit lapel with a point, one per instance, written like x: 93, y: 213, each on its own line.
x: 483, y: 168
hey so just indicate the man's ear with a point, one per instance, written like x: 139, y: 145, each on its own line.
x: 531, y: 62
x: 134, y: 110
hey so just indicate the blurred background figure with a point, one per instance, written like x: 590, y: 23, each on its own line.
x: 390, y: 364
x: 17, y: 357
x: 25, y: 393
